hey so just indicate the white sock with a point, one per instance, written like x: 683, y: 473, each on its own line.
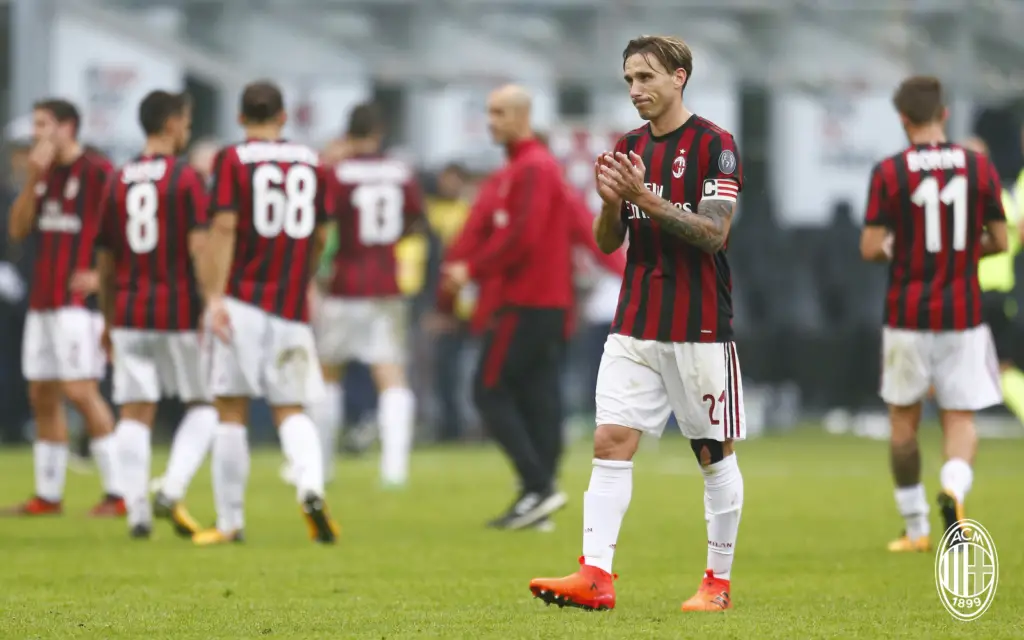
x: 327, y: 414
x: 957, y: 477
x: 192, y: 440
x: 913, y: 506
x: 51, y: 461
x: 397, y: 411
x: 604, y: 506
x: 133, y: 461
x: 301, y: 446
x: 230, y: 469
x: 104, y: 452
x: 723, y: 505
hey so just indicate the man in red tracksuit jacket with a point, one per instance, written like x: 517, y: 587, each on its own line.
x: 525, y: 273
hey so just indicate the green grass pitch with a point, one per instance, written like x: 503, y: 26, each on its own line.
x: 811, y: 559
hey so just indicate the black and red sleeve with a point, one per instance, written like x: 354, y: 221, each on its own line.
x: 196, y: 201
x: 877, y: 213
x: 226, y: 188
x: 723, y: 175
x: 993, y: 193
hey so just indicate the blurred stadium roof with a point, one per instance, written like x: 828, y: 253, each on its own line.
x: 974, y: 44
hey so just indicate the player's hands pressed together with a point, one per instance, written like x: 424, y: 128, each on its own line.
x: 623, y: 175
x: 86, y: 282
x: 42, y: 155
x: 608, y: 195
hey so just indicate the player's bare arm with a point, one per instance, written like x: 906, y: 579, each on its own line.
x: 994, y: 239
x: 707, y: 229
x: 197, y: 251
x: 876, y: 243
x: 609, y: 231
x: 220, y: 250
x: 23, y: 211
x: 106, y: 288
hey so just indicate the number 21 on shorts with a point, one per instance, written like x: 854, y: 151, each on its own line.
x: 714, y: 402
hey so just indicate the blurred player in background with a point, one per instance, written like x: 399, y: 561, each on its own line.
x: 998, y: 306
x: 472, y: 241
x: 672, y: 185
x: 364, y: 315
x: 526, y: 260
x: 154, y: 219
x: 933, y: 211
x: 267, y: 229
x: 61, y: 355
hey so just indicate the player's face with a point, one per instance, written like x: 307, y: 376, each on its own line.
x: 501, y: 121
x: 180, y: 128
x: 44, y: 126
x: 651, y: 88
x: 449, y: 184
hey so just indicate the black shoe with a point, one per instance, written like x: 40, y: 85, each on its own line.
x: 321, y: 528
x: 181, y: 520
x: 141, y: 531
x: 952, y: 513
x: 532, y: 507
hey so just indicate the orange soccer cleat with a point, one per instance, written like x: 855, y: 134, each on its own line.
x: 589, y: 588
x: 713, y: 595
x: 35, y: 506
x: 904, y: 544
x: 110, y: 506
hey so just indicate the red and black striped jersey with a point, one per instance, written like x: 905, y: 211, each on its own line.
x: 936, y: 200
x: 378, y: 200
x: 671, y: 290
x: 279, y: 191
x: 150, y: 207
x: 67, y: 221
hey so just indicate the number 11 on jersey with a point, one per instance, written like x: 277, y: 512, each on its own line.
x: 931, y: 199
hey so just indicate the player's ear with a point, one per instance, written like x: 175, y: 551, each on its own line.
x: 680, y: 78
x: 282, y: 118
x: 241, y: 120
x: 945, y: 114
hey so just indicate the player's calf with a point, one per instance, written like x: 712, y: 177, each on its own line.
x: 723, y: 505
x: 99, y: 422
x: 396, y: 416
x: 133, y: 458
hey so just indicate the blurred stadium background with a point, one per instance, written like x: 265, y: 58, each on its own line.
x: 804, y: 85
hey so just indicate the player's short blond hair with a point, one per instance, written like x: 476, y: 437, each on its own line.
x: 670, y: 51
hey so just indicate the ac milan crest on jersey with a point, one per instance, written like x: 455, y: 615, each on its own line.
x: 679, y: 164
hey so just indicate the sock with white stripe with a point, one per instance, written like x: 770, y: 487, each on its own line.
x: 913, y: 506
x: 604, y: 507
x: 723, y: 505
x: 133, y: 459
x: 230, y: 470
x: 192, y: 441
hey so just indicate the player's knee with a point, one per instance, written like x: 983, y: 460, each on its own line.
x: 388, y: 376
x: 710, y: 451
x: 615, y: 442
x: 81, y: 392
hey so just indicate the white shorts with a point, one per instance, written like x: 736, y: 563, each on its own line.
x: 268, y: 357
x: 63, y: 344
x: 641, y: 382
x: 370, y: 330
x: 149, y: 365
x: 961, y: 365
